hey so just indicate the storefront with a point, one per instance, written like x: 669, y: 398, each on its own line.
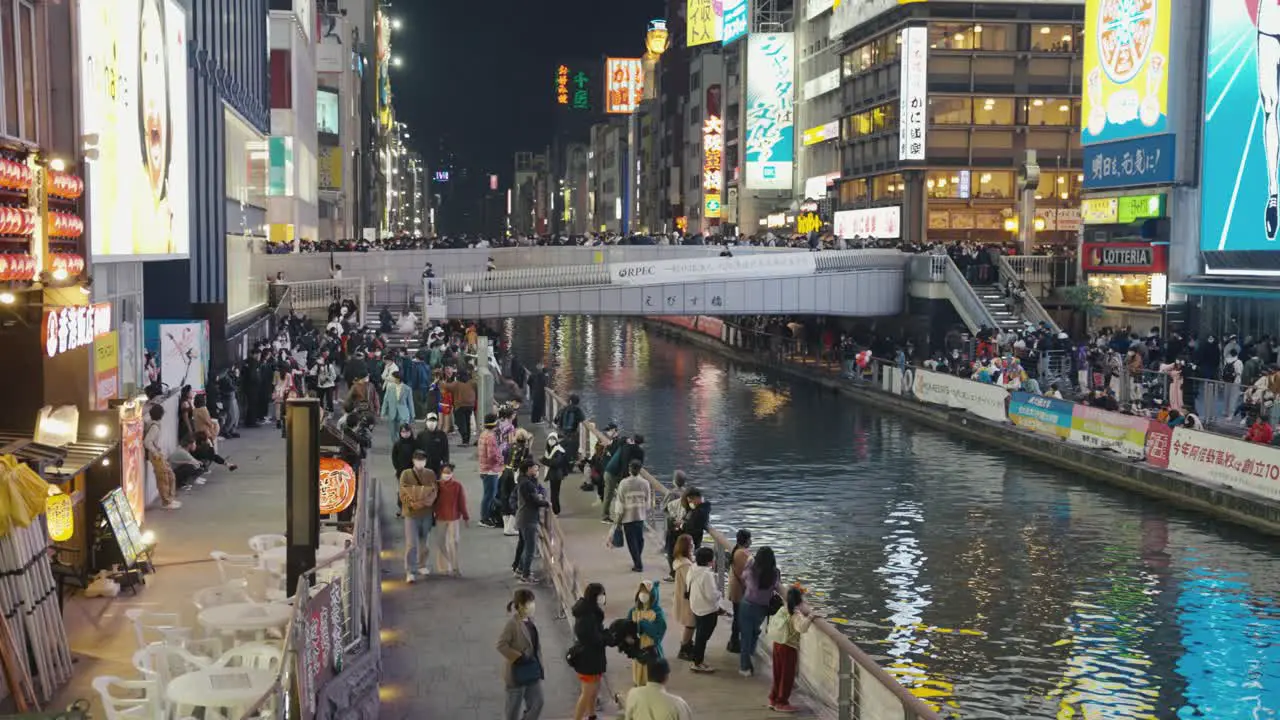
x: 1126, y: 253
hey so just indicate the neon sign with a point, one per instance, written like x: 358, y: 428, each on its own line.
x: 712, y: 154
x: 562, y: 85
x: 581, y: 100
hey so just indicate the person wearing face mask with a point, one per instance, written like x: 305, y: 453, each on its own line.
x: 520, y: 647
x: 587, y: 655
x: 397, y: 405
x: 402, y: 457
x: 451, y: 511
x: 515, y: 456
x: 556, y: 460
x: 489, y: 455
x: 418, y: 491
x: 528, y: 511
x: 434, y: 443
x: 652, y: 622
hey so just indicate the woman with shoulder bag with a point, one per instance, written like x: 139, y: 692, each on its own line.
x: 761, y: 598
x: 520, y: 647
x: 683, y: 554
x: 587, y: 657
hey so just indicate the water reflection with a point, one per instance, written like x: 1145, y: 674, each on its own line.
x: 995, y: 587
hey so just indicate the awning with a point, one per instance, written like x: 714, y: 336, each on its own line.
x: 55, y: 464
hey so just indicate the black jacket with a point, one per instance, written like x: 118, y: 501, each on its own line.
x: 436, y: 445
x: 696, y: 522
x: 589, y: 638
x: 538, y: 385
x: 402, y: 455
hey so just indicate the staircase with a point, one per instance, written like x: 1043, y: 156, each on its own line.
x: 1001, y: 307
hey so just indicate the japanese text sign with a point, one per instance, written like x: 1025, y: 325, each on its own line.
x: 75, y: 326
x: 624, y: 85
x: 1143, y: 161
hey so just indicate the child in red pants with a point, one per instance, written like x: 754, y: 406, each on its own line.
x: 785, y: 628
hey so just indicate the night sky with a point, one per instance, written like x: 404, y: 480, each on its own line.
x: 478, y: 76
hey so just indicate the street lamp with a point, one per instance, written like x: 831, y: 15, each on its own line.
x: 396, y: 61
x: 395, y: 23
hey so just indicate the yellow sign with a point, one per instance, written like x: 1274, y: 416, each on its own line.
x: 59, y: 513
x: 329, y: 168
x: 1099, y: 211
x: 1126, y: 69
x: 704, y: 24
x: 712, y: 205
x: 822, y: 133
x: 280, y: 232
x: 106, y: 369
x: 808, y: 222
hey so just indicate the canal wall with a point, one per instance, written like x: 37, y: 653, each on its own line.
x: 1219, y: 500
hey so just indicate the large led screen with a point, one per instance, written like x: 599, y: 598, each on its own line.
x: 771, y: 129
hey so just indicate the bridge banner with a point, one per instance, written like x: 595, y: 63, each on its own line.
x: 986, y: 401
x: 1220, y: 459
x: 741, y: 267
x: 1124, y: 434
x: 1042, y: 415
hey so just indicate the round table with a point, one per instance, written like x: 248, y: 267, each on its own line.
x: 245, y: 617
x: 220, y: 687
x: 274, y: 559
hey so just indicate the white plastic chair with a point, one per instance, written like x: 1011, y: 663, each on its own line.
x: 255, y: 655
x: 262, y: 543
x: 233, y: 568
x: 336, y: 539
x: 220, y: 595
x: 150, y: 627
x: 129, y: 699
x: 162, y: 663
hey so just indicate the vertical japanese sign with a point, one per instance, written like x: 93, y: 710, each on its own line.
x: 581, y: 95
x: 734, y: 20
x: 770, y: 150
x: 320, y: 657
x: 624, y: 85
x: 562, y: 85
x: 106, y: 369
x: 911, y: 101
x: 706, y: 22
x: 712, y: 154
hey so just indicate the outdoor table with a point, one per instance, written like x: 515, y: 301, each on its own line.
x: 246, y: 617
x: 275, y: 558
x: 220, y: 687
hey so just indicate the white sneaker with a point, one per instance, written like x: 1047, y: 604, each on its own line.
x: 201, y: 480
x: 172, y: 505
x: 424, y: 571
x: 409, y: 578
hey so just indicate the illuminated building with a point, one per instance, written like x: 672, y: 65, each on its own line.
x: 939, y: 114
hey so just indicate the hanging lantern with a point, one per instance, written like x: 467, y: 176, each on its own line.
x: 59, y: 513
x: 337, y: 485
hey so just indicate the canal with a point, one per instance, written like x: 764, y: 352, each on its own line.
x: 993, y: 586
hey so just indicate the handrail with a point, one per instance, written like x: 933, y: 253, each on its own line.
x: 941, y: 268
x: 533, y: 278
x: 1031, y: 308
x: 852, y: 697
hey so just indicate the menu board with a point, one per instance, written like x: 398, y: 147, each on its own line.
x: 123, y: 525
x: 320, y: 657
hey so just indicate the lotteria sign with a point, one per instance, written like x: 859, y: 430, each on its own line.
x: 1137, y: 257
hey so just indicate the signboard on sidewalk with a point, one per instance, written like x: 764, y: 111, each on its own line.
x: 319, y: 658
x: 1039, y: 414
x: 1124, y: 434
x: 985, y: 401
x: 1216, y: 458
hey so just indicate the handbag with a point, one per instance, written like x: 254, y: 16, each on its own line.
x: 615, y: 539
x: 526, y: 671
x: 573, y: 655
x: 775, y: 604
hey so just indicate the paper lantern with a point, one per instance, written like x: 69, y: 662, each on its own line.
x: 337, y: 485
x: 59, y: 513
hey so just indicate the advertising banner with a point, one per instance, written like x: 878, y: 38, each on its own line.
x: 133, y: 76
x: 1126, y: 163
x: 1126, y: 58
x: 1241, y: 141
x: 763, y: 265
x: 705, y: 23
x: 106, y: 369
x: 883, y: 222
x: 735, y: 20
x: 329, y: 168
x: 331, y: 53
x: 1159, y: 442
x: 1124, y: 434
x: 182, y: 355
x: 624, y: 85
x: 1217, y: 458
x: 985, y: 401
x: 770, y: 144
x: 133, y: 474
x: 914, y: 77
x: 1040, y: 414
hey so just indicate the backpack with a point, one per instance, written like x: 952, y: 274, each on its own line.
x: 569, y: 419
x: 1229, y: 372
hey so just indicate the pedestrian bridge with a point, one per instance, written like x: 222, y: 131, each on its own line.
x: 859, y: 283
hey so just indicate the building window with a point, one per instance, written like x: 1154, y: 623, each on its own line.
x: 946, y: 184
x: 993, y: 111
x: 1049, y: 111
x: 950, y: 111
x: 18, y: 66
x: 1060, y: 187
x: 887, y: 187
x: 695, y: 80
x: 854, y: 193
x: 871, y: 122
x: 877, y: 52
x: 993, y: 184
x: 1054, y: 38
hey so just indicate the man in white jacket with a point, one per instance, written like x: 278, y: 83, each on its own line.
x: 707, y: 604
x: 652, y: 701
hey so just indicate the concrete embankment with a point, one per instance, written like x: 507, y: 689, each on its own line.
x: 1222, y: 502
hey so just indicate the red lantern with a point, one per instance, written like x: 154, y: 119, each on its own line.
x: 337, y: 485
x: 28, y: 221
x: 5, y: 271
x: 31, y: 267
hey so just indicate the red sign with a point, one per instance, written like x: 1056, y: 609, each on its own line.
x: 337, y: 485
x: 320, y: 657
x: 1126, y: 257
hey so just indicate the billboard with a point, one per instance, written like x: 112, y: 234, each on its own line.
x: 770, y: 150
x: 706, y: 22
x: 1126, y: 58
x: 624, y: 85
x: 914, y: 76
x: 331, y: 55
x: 734, y: 23
x: 1241, y: 147
x: 133, y: 93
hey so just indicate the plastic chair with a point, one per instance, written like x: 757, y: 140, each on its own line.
x: 335, y: 538
x: 262, y: 543
x: 162, y: 663
x: 220, y: 595
x: 255, y: 655
x: 150, y: 627
x: 129, y: 699
x: 233, y: 568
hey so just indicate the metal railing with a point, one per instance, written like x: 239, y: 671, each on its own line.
x: 941, y: 268
x: 309, y: 295
x: 1045, y: 271
x: 357, y: 569
x: 532, y: 278
x: 833, y: 672
x: 1031, y: 308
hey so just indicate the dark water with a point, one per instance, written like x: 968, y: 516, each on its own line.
x: 994, y: 587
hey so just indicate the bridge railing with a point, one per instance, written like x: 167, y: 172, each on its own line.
x: 310, y: 295
x: 531, y: 278
x: 841, y: 678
